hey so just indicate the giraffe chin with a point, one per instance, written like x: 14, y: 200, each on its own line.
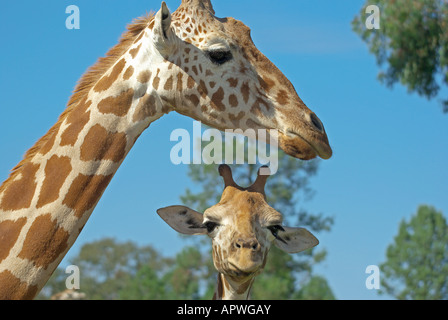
x: 297, y: 147
x: 239, y: 274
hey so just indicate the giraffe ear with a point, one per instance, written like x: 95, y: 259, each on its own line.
x: 294, y: 240
x: 183, y: 220
x: 162, y: 27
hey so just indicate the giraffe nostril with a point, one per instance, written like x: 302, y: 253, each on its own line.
x: 316, y: 122
x: 248, y: 244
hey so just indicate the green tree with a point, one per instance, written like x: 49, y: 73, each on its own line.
x: 145, y: 285
x: 412, y: 42
x: 112, y: 270
x: 106, y: 266
x: 184, y: 278
x: 316, y: 288
x: 290, y: 185
x: 417, y: 260
x: 178, y: 280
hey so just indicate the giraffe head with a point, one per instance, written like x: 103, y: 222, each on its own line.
x: 224, y: 81
x: 242, y: 227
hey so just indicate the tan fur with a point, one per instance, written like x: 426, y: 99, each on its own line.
x: 86, y: 82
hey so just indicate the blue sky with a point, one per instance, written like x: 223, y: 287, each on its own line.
x: 390, y: 147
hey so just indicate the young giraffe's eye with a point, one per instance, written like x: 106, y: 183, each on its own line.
x: 210, y: 226
x: 219, y: 57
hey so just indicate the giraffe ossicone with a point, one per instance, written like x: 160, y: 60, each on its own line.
x: 191, y: 62
x: 242, y: 227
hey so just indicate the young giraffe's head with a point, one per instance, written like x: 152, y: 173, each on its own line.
x: 242, y: 227
x: 224, y: 81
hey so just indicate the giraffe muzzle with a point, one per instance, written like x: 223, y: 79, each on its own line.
x: 306, y: 144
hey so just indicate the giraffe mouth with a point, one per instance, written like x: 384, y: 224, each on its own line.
x: 294, y: 145
x: 243, y: 273
x: 297, y: 146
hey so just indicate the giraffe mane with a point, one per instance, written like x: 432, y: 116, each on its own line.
x: 94, y: 73
x: 85, y: 83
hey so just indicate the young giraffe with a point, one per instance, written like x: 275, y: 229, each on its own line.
x: 191, y: 62
x: 242, y: 227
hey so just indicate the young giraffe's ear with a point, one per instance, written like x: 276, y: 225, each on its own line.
x: 183, y: 220
x: 294, y: 240
x: 162, y: 27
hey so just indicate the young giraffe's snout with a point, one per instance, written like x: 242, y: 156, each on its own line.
x: 242, y: 227
x: 247, y: 243
x: 245, y: 246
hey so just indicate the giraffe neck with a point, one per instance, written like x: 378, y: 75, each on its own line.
x: 50, y: 195
x: 227, y: 289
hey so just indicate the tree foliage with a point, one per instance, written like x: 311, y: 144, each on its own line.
x: 412, y: 41
x: 417, y: 260
x: 111, y: 270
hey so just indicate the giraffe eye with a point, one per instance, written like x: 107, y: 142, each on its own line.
x: 210, y: 226
x: 219, y: 57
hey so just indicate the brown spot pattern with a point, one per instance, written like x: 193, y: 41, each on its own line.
x: 118, y: 105
x: 56, y: 171
x: 203, y: 88
x: 85, y: 191
x: 190, y: 82
x: 156, y: 81
x: 233, y: 100
x: 9, y: 232
x: 77, y: 119
x: 145, y: 108
x: 48, y: 145
x: 245, y: 92
x: 106, y: 81
x: 14, y: 289
x: 194, y: 99
x: 168, y: 84
x: 25, y: 186
x: 134, y: 51
x: 144, y: 76
x: 282, y: 97
x: 266, y: 83
x: 128, y: 73
x: 179, y: 82
x: 102, y: 145
x: 233, y: 82
x: 44, y: 242
x: 217, y: 99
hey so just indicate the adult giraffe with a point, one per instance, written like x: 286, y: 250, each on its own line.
x: 191, y: 62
